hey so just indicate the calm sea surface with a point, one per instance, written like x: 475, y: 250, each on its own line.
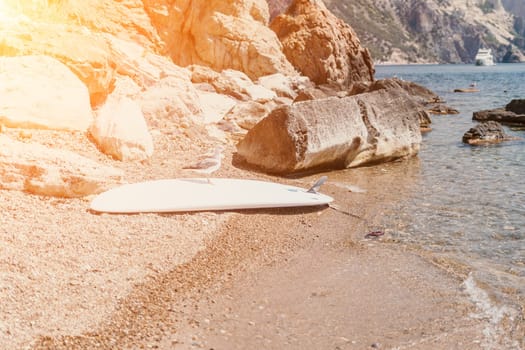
x: 468, y: 203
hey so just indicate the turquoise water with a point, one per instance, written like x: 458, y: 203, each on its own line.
x: 468, y: 203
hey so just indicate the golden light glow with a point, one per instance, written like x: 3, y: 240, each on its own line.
x: 11, y: 11
x: 35, y: 10
x: 3, y: 10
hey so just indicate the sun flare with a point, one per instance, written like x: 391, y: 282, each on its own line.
x: 3, y: 10
x: 10, y: 11
x: 33, y: 10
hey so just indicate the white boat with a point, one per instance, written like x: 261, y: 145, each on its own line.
x: 484, y: 58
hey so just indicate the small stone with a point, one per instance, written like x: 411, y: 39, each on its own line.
x: 24, y: 135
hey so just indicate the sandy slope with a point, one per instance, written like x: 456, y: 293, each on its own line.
x: 289, y: 278
x: 284, y: 278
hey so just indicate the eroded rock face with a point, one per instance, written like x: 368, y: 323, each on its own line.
x: 224, y: 35
x: 171, y: 98
x: 124, y: 49
x: 41, y: 170
x: 277, y: 7
x: 335, y: 133
x: 40, y: 92
x: 321, y: 46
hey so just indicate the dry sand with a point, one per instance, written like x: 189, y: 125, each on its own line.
x: 272, y: 279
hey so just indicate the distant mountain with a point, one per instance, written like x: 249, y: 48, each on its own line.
x: 444, y: 31
x: 517, y: 7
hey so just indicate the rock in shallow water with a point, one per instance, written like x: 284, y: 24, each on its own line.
x: 513, y: 113
x: 484, y: 133
x: 334, y: 133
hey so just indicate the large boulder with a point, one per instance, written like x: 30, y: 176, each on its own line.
x: 46, y: 171
x: 248, y: 114
x: 334, y: 133
x: 321, y: 46
x: 120, y: 130
x: 41, y: 92
x: 224, y: 35
x: 85, y: 53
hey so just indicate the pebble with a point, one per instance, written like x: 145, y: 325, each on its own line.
x: 374, y: 234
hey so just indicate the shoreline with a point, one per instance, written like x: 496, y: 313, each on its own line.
x: 296, y: 278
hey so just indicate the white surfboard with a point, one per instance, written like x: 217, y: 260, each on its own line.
x: 197, y: 194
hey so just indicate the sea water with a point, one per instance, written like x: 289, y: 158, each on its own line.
x: 467, y: 202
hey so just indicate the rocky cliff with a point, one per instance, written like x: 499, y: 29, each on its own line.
x: 444, y: 31
x: 128, y: 81
x: 321, y: 46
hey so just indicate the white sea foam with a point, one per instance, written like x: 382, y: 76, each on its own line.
x: 492, y: 315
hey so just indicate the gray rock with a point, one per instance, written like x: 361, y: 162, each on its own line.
x: 486, y: 132
x: 500, y: 115
x: 334, y: 133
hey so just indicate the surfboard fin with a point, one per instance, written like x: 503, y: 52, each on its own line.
x: 317, y: 185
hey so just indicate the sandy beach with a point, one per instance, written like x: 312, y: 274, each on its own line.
x: 158, y: 84
x: 279, y: 278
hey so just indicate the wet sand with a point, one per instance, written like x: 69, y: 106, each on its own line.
x: 272, y: 279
